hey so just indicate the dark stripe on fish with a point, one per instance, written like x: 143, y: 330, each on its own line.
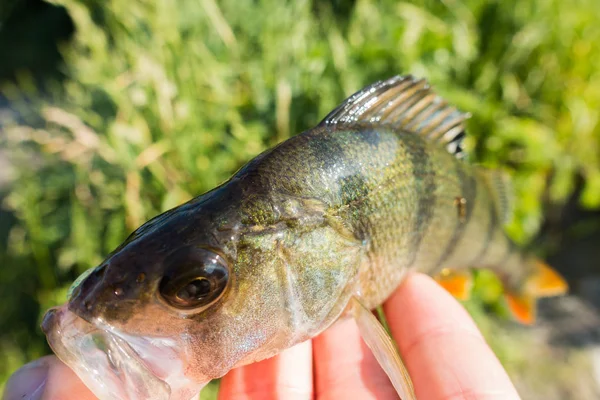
x: 372, y: 137
x: 352, y: 188
x: 329, y: 155
x: 355, y: 186
x: 468, y: 190
x: 327, y: 152
x: 425, y: 186
x: 490, y: 233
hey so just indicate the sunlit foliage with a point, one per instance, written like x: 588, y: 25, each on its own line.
x: 164, y: 100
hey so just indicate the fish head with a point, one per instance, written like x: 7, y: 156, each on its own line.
x: 194, y: 293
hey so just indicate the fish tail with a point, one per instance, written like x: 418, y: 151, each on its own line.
x: 541, y: 281
x: 526, y: 278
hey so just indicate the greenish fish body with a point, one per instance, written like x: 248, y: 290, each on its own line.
x: 322, y: 225
x: 399, y: 201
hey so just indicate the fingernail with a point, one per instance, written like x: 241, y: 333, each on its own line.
x: 27, y: 383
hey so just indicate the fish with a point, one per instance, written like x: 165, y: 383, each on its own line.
x: 323, y: 226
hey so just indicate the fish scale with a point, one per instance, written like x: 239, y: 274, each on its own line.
x: 323, y: 226
x: 404, y: 208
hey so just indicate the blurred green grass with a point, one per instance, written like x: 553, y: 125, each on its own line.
x: 162, y: 103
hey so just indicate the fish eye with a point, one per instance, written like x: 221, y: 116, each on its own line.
x: 194, y: 278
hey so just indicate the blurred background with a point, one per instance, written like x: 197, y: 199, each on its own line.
x: 113, y: 111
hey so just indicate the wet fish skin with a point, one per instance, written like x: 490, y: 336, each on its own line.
x: 278, y: 294
x: 340, y: 212
x: 298, y: 224
x: 395, y: 194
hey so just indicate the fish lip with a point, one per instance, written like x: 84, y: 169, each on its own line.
x: 110, y: 364
x: 48, y: 320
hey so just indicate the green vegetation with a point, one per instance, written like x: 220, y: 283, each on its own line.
x: 163, y: 102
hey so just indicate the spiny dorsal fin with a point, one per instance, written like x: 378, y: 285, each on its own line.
x: 500, y: 184
x: 406, y: 103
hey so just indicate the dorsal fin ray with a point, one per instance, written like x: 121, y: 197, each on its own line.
x: 406, y: 103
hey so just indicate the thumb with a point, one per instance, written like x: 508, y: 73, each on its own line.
x: 28, y: 382
x: 46, y: 379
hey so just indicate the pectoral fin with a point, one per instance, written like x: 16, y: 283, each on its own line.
x: 457, y: 283
x: 384, y: 349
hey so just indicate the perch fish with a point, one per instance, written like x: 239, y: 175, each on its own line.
x: 323, y: 226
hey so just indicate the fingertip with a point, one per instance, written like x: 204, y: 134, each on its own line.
x: 285, y: 376
x: 346, y: 368
x: 46, y: 379
x: 445, y: 353
x: 29, y: 381
x: 428, y: 306
x: 63, y: 383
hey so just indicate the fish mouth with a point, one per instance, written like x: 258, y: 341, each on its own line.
x: 114, y: 365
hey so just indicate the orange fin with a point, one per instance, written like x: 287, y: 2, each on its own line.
x: 457, y: 283
x: 522, y: 308
x: 544, y: 282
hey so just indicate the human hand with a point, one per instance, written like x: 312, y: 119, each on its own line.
x: 445, y: 354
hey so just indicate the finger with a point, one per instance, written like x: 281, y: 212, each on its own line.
x: 446, y: 355
x: 285, y: 376
x: 46, y: 379
x: 345, y: 368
